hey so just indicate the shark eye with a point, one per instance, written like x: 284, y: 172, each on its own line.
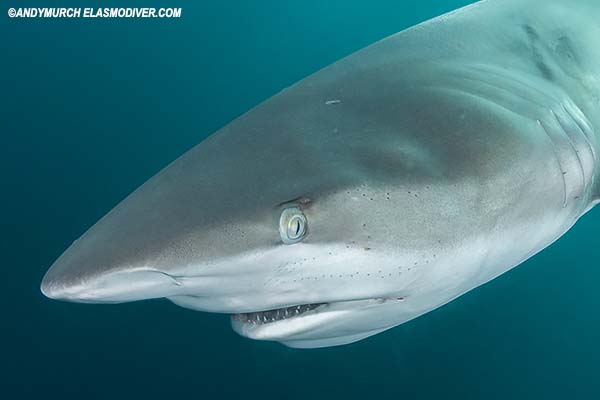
x: 292, y: 225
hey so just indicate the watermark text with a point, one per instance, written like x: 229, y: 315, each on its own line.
x: 90, y: 12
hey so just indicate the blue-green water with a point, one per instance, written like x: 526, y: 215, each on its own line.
x: 91, y: 109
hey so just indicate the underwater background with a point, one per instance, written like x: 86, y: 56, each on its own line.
x: 90, y: 109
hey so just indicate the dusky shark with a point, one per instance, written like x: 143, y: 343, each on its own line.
x: 373, y: 191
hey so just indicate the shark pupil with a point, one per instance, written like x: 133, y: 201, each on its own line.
x: 295, y: 228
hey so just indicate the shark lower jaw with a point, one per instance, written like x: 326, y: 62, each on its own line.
x: 311, y: 325
x: 282, y: 323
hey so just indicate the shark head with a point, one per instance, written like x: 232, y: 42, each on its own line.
x: 287, y: 219
x: 314, y: 219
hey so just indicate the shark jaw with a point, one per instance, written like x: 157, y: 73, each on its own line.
x: 307, y: 325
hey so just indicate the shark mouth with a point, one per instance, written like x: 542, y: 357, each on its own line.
x: 279, y: 314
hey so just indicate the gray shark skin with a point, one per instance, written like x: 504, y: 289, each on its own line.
x: 423, y: 166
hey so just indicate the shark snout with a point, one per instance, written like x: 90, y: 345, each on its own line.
x: 98, y: 268
x: 130, y: 254
x: 113, y: 286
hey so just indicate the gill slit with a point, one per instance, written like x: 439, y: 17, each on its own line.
x: 570, y: 140
x: 580, y: 119
x: 556, y: 156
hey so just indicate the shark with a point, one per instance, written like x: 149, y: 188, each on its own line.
x: 373, y: 191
